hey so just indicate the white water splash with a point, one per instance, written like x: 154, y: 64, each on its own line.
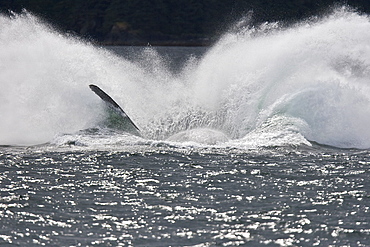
x: 316, y: 74
x: 259, y: 86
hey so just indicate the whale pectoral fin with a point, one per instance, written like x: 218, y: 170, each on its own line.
x: 126, y: 121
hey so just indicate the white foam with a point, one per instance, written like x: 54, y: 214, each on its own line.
x: 258, y: 85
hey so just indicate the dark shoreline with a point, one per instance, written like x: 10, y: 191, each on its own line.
x: 184, y: 43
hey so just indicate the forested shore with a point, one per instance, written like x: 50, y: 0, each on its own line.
x: 167, y: 22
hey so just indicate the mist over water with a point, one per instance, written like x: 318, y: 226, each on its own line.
x: 311, y: 79
x: 259, y: 86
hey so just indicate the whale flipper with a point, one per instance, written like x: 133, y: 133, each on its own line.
x: 113, y: 105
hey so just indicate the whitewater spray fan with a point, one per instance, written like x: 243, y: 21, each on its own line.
x: 258, y: 86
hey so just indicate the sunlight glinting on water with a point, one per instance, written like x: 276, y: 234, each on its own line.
x: 114, y: 197
x: 232, y: 148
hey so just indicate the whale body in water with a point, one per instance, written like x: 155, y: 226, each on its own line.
x: 120, y: 119
x: 118, y: 116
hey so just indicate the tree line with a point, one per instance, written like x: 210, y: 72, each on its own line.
x: 166, y: 21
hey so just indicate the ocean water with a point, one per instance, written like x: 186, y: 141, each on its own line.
x: 260, y: 140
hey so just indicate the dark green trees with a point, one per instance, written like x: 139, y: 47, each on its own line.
x: 143, y: 21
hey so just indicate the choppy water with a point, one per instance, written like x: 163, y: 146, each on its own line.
x: 163, y: 196
x: 260, y: 140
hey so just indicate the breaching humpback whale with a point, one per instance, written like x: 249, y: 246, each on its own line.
x: 114, y: 106
x: 199, y: 135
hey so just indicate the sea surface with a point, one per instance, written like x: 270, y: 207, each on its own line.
x: 170, y: 196
x: 259, y: 140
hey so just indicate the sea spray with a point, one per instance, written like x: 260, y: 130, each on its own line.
x: 314, y: 72
x: 259, y: 86
x: 44, y: 79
